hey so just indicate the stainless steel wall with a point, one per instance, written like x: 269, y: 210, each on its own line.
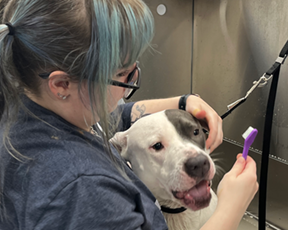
x: 235, y: 42
x: 217, y: 48
x: 167, y: 70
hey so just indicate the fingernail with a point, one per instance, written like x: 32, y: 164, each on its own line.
x: 241, y: 160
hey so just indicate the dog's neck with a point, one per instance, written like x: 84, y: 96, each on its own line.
x: 181, y: 221
x: 188, y: 220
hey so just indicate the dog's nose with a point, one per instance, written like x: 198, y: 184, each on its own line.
x: 197, y: 166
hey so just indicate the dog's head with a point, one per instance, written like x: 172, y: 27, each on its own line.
x: 167, y: 152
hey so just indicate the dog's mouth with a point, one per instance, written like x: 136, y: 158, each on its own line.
x: 197, y: 197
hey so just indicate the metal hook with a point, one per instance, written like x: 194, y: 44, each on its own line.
x: 265, y: 79
x: 260, y: 83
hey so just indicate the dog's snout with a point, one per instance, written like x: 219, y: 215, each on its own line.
x: 197, y: 166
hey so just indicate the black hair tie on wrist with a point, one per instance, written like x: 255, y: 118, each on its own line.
x: 11, y: 29
x: 182, y: 101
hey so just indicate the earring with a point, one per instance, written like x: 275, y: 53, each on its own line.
x: 62, y: 96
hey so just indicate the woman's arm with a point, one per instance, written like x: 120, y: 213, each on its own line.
x: 194, y: 105
x: 141, y: 108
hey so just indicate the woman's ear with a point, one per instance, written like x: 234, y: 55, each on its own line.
x: 59, y: 84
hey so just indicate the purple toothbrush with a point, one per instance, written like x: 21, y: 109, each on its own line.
x: 249, y: 137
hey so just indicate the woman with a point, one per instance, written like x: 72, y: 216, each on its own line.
x: 64, y: 66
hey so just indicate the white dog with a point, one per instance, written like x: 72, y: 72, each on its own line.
x: 167, y: 152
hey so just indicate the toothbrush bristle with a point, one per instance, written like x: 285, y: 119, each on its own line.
x: 247, y: 132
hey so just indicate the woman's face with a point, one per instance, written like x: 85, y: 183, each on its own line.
x: 115, y: 93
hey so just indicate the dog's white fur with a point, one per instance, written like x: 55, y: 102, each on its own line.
x: 162, y: 171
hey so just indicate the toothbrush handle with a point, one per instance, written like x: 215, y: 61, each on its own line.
x: 245, y: 151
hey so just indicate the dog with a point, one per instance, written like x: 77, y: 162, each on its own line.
x: 167, y: 152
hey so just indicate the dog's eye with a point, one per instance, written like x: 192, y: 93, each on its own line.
x: 196, y: 132
x: 158, y: 146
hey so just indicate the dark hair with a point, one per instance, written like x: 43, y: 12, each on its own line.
x: 87, y: 39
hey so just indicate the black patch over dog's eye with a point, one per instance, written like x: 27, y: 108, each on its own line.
x: 158, y: 146
x: 196, y: 132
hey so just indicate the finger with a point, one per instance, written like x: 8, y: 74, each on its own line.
x: 238, y: 167
x: 256, y: 187
x: 238, y: 155
x: 213, y: 147
x: 220, y: 128
x: 199, y: 114
x: 212, y: 132
x: 215, y: 137
x: 250, y: 165
x: 219, y: 138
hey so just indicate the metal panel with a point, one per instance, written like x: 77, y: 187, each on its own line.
x: 167, y: 70
x: 235, y: 42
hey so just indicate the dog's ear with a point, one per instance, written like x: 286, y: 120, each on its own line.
x: 119, y: 141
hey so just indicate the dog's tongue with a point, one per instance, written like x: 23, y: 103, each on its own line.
x: 198, y: 192
x: 197, y: 197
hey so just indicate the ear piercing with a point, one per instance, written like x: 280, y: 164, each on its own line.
x: 62, y: 96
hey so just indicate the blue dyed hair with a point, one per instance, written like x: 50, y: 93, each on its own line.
x: 88, y: 39
x: 121, y: 31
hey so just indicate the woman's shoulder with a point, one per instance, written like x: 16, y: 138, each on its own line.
x: 70, y: 168
x: 58, y: 155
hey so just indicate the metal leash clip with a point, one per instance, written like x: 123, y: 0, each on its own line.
x: 260, y: 83
x: 263, y: 80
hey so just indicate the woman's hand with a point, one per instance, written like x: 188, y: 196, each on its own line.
x: 235, y: 192
x: 238, y: 186
x: 202, y: 111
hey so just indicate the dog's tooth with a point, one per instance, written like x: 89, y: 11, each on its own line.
x: 210, y: 183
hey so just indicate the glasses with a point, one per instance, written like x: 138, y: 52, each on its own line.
x: 133, y: 81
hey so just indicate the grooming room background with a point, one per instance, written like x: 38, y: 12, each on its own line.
x: 217, y: 48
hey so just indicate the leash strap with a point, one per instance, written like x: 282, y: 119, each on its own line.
x: 230, y: 110
x: 273, y: 71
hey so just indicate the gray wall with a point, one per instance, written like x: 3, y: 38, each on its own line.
x: 217, y: 48
x: 167, y: 70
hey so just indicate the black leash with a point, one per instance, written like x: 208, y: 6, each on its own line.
x: 273, y: 73
x: 230, y: 110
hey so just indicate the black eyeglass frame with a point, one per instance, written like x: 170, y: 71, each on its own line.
x: 129, y: 78
x: 113, y: 82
